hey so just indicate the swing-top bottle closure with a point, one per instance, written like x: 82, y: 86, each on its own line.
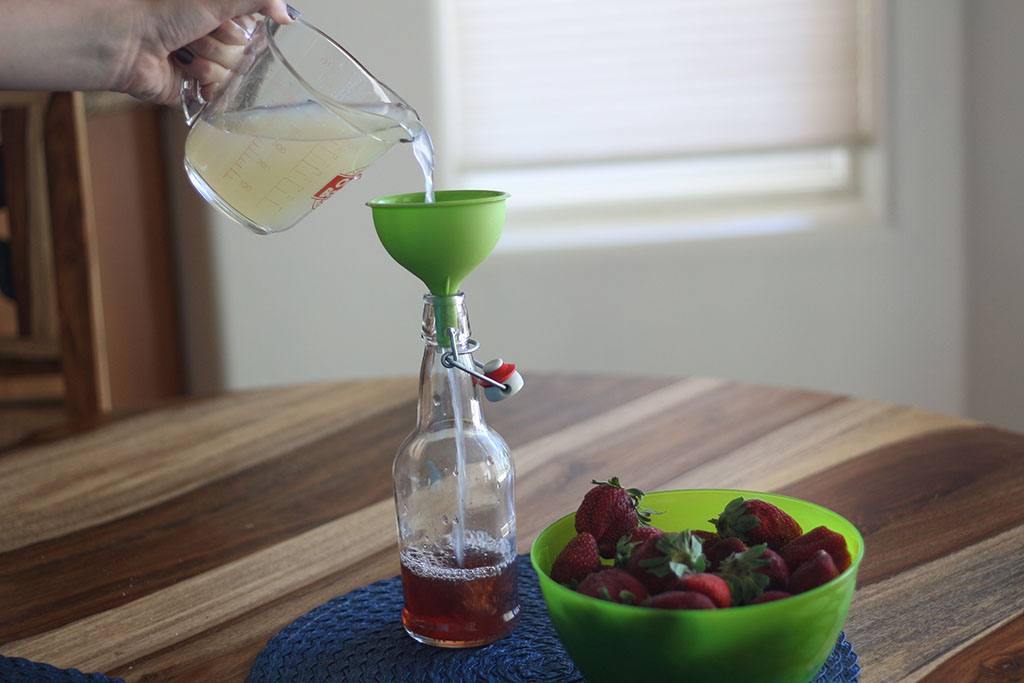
x: 499, y: 379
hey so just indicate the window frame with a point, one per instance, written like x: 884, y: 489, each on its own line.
x: 536, y: 221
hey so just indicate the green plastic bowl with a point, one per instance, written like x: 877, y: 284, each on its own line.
x: 776, y: 642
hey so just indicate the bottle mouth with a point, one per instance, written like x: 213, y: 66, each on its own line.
x: 442, y: 299
x: 442, y: 313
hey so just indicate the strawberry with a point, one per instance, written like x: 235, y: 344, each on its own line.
x: 813, y: 572
x: 802, y: 548
x: 628, y: 543
x: 740, y: 571
x: 776, y: 570
x: 705, y: 536
x: 643, y: 532
x: 681, y: 600
x: 608, y: 512
x: 616, y: 585
x: 756, y: 521
x: 658, y: 560
x: 770, y: 596
x: 578, y: 559
x: 718, y: 549
x: 710, y: 585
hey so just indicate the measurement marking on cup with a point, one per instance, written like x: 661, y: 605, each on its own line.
x: 250, y: 153
x: 328, y: 153
x: 288, y: 188
x: 277, y: 178
x: 268, y: 200
x: 308, y: 169
x: 315, y: 159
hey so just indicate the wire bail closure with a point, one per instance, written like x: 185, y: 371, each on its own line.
x: 494, y: 389
x: 451, y: 359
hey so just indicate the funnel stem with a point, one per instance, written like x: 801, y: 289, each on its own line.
x: 446, y: 317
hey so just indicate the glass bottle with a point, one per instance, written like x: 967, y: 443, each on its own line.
x: 454, y: 495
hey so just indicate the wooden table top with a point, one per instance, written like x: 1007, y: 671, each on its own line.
x: 172, y: 544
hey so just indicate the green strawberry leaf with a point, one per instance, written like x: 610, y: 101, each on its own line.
x: 679, y: 568
x: 745, y: 589
x: 623, y: 549
x: 735, y: 521
x: 753, y: 557
x: 643, y: 514
x: 681, y: 554
x: 659, y: 566
x: 738, y: 571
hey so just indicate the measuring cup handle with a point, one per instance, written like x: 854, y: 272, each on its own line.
x: 192, y: 102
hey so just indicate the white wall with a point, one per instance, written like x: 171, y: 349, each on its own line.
x: 874, y: 310
x: 995, y: 218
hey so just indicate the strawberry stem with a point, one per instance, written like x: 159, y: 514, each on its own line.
x: 735, y: 521
x: 681, y: 553
x: 738, y: 571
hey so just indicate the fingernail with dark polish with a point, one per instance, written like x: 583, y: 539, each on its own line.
x: 184, y: 55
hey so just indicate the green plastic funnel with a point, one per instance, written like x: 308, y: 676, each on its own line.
x: 443, y: 241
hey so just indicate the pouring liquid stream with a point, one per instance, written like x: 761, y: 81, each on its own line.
x: 459, y: 523
x: 423, y: 150
x: 422, y: 146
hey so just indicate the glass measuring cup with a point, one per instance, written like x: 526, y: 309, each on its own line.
x: 297, y: 119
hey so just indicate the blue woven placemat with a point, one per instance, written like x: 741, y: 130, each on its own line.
x: 18, y: 670
x: 359, y: 637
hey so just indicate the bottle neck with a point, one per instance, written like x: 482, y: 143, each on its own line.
x: 447, y: 393
x: 441, y: 314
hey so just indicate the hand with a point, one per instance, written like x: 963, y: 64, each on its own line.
x: 210, y: 59
x: 124, y: 45
x: 196, y: 38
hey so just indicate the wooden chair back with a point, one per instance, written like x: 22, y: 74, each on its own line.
x: 52, y: 238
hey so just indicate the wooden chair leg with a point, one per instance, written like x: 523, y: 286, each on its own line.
x: 74, y: 248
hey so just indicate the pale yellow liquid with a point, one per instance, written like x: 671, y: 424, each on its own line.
x: 273, y: 166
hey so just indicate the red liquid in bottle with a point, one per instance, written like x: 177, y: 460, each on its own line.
x: 454, y: 606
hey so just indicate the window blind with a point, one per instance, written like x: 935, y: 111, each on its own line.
x: 542, y: 82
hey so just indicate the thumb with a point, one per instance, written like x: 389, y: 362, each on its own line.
x: 275, y: 9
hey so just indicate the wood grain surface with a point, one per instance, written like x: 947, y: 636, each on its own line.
x: 170, y: 545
